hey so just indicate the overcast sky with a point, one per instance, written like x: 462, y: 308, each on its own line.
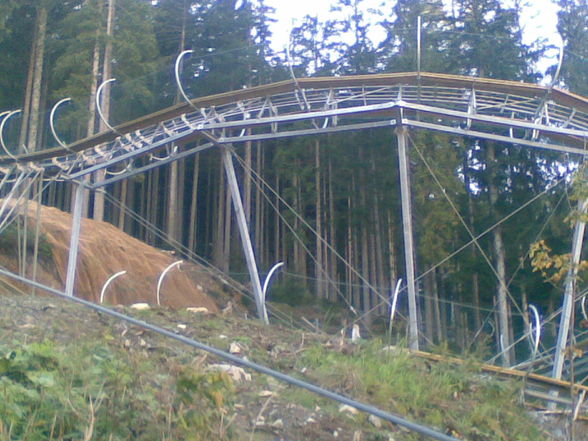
x: 539, y: 19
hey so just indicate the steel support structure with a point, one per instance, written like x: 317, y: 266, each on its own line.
x: 226, y: 151
x: 405, y: 195
x: 516, y: 113
x: 565, y: 321
x: 74, y: 244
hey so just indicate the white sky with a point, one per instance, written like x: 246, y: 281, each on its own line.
x: 539, y: 20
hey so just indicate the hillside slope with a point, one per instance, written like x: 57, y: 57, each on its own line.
x: 127, y: 383
x: 104, y: 251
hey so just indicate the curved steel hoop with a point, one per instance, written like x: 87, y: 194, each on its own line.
x: 535, y: 331
x: 559, y: 64
x: 162, y: 276
x: 52, y: 123
x: 99, y: 104
x: 178, y: 79
x: 108, y: 282
x: 2, y: 125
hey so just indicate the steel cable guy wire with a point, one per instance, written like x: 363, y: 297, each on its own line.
x: 367, y: 408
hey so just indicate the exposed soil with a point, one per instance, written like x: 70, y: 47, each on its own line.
x: 265, y: 410
x: 106, y: 250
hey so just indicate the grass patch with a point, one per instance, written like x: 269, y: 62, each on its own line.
x: 10, y: 238
x: 452, y: 398
x: 94, y: 391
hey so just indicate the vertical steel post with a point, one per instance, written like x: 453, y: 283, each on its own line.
x: 413, y: 339
x: 244, y: 232
x: 74, y: 243
x: 569, y: 294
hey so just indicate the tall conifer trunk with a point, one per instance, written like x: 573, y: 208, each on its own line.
x: 319, y: 266
x: 32, y: 105
x: 332, y: 237
x: 98, y: 213
x: 475, y: 276
x: 499, y: 256
x: 193, y: 226
x: 172, y: 194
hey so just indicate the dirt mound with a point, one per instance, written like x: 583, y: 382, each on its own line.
x: 106, y: 250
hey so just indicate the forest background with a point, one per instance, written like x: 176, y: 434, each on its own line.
x: 344, y: 188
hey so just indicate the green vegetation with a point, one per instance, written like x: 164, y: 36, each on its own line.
x: 93, y: 391
x: 452, y: 398
x: 343, y: 186
x: 11, y: 238
x: 80, y: 377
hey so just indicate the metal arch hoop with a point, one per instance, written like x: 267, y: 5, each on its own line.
x: 266, y: 282
x: 108, y: 282
x: 99, y: 103
x: 393, y: 306
x: 559, y: 64
x: 52, y: 123
x: 536, y: 338
x: 162, y: 276
x: 2, y: 124
x: 177, y: 72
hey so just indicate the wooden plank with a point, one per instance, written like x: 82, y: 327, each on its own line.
x: 507, y: 372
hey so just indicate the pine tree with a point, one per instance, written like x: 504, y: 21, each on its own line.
x: 572, y: 19
x: 398, y: 51
x: 359, y: 56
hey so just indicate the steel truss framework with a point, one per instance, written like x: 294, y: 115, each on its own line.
x: 517, y: 113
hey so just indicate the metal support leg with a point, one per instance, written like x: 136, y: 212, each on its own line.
x: 413, y: 339
x: 244, y: 232
x: 569, y: 295
x: 74, y: 243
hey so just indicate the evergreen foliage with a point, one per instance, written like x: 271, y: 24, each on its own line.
x: 344, y: 186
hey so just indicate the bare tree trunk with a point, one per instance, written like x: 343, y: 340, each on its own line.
x: 332, y: 237
x: 298, y: 251
x: 263, y: 231
x: 350, y: 258
x: 441, y: 308
x: 26, y: 108
x: 172, y: 202
x: 106, y: 75
x: 278, y: 238
x: 380, y: 278
x: 148, y: 204
x: 37, y: 80
x: 174, y: 209
x: 208, y: 210
x: 193, y: 227
x: 365, y: 255
x: 94, y: 83
x: 227, y: 233
x: 218, y: 225
x: 123, y: 204
x: 392, y: 268
x: 475, y: 276
x: 499, y: 256
x: 429, y: 312
x: 318, y: 222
